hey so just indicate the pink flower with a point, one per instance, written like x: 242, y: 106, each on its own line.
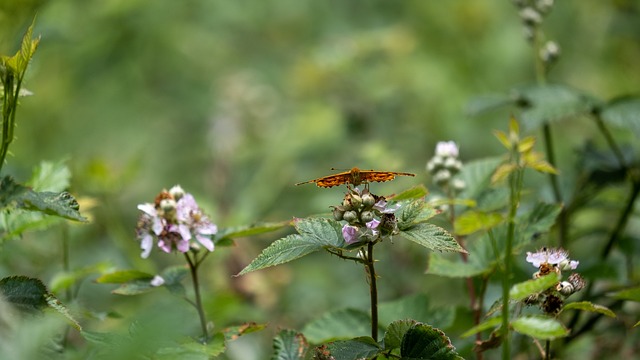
x: 558, y: 257
x: 350, y: 233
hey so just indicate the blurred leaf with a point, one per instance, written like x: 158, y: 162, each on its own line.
x: 477, y: 176
x: 502, y: 172
x: 485, y: 325
x: 337, y: 324
x: 173, y: 277
x: 50, y: 176
x: 314, y: 234
x: 432, y: 237
x: 396, y: 331
x: 503, y: 138
x: 418, y: 191
x: 547, y: 103
x: 540, y: 327
x: 627, y: 294
x: 248, y: 230
x: 534, y: 160
x: 588, y: 306
x: 484, y: 103
x: 521, y: 290
x: 472, y: 221
x: 539, y: 220
x: 123, y: 276
x: 623, y: 112
x: 355, y: 349
x: 193, y: 349
x: 66, y: 279
x: 289, y: 345
x: 55, y: 304
x: 134, y: 287
x: 234, y: 332
x: 417, y: 307
x: 426, y: 342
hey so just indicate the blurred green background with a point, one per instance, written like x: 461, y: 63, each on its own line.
x: 238, y: 100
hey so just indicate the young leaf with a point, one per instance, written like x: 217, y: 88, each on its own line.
x: 409, y: 213
x: 540, y: 327
x: 588, y: 306
x: 338, y: 324
x: 432, y: 237
x: 521, y: 290
x: 289, y: 345
x: 314, y: 234
x: 354, y: 349
x: 425, y: 342
x: 234, y: 332
x: 416, y: 192
x: 473, y: 221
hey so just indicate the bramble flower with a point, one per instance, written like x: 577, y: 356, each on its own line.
x: 157, y: 281
x: 173, y: 220
x: 447, y: 149
x: 557, y: 257
x: 350, y: 233
x: 363, y: 212
x: 445, y: 165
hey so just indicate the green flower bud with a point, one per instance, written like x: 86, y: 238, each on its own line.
x: 366, y: 216
x: 350, y: 216
x: 338, y: 213
x: 177, y: 192
x: 356, y: 201
x: 442, y: 177
x: 368, y: 200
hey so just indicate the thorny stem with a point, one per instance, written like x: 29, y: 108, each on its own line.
x: 193, y: 267
x: 373, y: 290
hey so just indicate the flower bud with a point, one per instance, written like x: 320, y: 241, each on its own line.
x: 550, y: 52
x: 356, y: 201
x: 458, y: 185
x: 168, y: 205
x: 366, y: 216
x: 576, y: 281
x: 565, y: 288
x: 442, y: 177
x: 350, y: 216
x: 338, y: 213
x: 177, y: 192
x: 368, y: 200
x: 544, y: 6
x: 530, y: 16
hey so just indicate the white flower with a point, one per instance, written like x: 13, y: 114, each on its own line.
x: 552, y: 257
x: 447, y: 149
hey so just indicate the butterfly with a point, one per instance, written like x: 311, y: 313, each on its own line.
x: 355, y: 177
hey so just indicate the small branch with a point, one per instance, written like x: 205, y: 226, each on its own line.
x: 345, y: 257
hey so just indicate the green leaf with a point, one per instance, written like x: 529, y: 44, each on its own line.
x: 338, y: 324
x: 472, y: 221
x: 416, y: 192
x: 248, y: 230
x: 173, y: 278
x: 66, y: 279
x: 55, y: 304
x: 417, y: 307
x: 50, y: 176
x: 289, y: 345
x: 628, y: 294
x: 521, y: 290
x: 477, y: 176
x: 396, y: 331
x: 623, y: 112
x: 354, y: 349
x: 432, y: 237
x: 426, y: 342
x: 51, y: 203
x: 540, y: 327
x: 485, y: 325
x: 234, y: 332
x: 408, y: 213
x: 24, y: 293
x: 193, y: 349
x: 314, y: 234
x: 547, y: 103
x: 588, y: 306
x: 539, y: 220
x: 123, y: 276
x: 135, y: 287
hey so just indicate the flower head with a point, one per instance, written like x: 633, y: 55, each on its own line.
x: 172, y: 221
x: 552, y: 257
x: 447, y: 149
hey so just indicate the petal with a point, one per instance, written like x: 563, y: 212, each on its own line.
x: 350, y: 233
x: 373, y: 224
x: 205, y: 241
x: 184, y: 231
x: 557, y: 256
x: 536, y: 258
x: 157, y: 225
x: 164, y: 245
x: 207, y: 228
x: 573, y: 264
x: 148, y: 209
x: 183, y: 246
x: 146, y: 244
x: 157, y: 281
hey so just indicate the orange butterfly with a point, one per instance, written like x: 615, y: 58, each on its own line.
x: 355, y: 177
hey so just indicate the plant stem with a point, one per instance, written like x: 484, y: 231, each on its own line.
x: 612, y: 143
x: 373, y: 290
x: 515, y: 183
x: 547, y: 350
x: 193, y: 266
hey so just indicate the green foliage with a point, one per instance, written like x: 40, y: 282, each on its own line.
x: 540, y: 327
x: 338, y: 324
x: 289, y: 345
x: 521, y: 290
x: 422, y: 341
x: 623, y: 113
x: 590, y: 307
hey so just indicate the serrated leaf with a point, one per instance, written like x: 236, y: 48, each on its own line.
x: 24, y: 293
x: 485, y: 325
x: 123, y: 276
x: 395, y: 332
x: 535, y: 161
x: 591, y: 307
x: 502, y: 172
x: 540, y: 327
x: 338, y: 324
x: 623, y: 112
x: 627, y: 294
x: 314, y: 234
x: 416, y: 192
x: 426, y: 342
x: 408, y: 213
x: 417, y: 307
x: 354, y: 349
x: 55, y: 304
x: 432, y: 237
x: 503, y: 138
x: 473, y: 221
x: 289, y: 345
x: 522, y: 290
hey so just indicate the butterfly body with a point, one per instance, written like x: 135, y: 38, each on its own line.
x: 355, y: 177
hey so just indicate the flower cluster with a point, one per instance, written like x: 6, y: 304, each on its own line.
x: 444, y: 165
x: 367, y: 216
x: 173, y: 221
x: 532, y: 13
x: 554, y: 261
